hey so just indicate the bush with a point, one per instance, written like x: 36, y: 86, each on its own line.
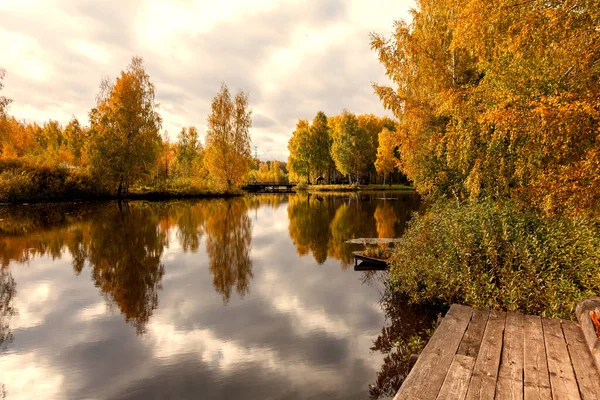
x: 301, y: 186
x: 22, y: 181
x: 498, y: 256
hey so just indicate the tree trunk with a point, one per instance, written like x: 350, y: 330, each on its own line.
x: 120, y: 189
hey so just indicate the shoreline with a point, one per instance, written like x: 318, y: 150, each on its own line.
x: 151, y: 196
x: 351, y: 188
x: 167, y: 195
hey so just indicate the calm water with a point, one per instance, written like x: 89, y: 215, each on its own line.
x: 246, y: 298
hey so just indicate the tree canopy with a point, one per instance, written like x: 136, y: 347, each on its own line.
x: 498, y: 99
x: 125, y: 127
x: 337, y: 146
x: 228, y: 139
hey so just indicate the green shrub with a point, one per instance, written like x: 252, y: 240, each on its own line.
x: 498, y: 256
x: 301, y: 186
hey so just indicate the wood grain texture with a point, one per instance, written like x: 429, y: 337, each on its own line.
x: 427, y: 376
x: 586, y: 373
x: 457, y: 381
x: 510, y: 374
x: 536, y: 380
x: 471, y: 342
x: 562, y: 377
x: 485, y: 372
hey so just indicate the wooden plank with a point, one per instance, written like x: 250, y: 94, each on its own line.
x: 427, y: 376
x: 471, y: 342
x: 536, y: 380
x: 485, y: 372
x: 586, y: 372
x: 562, y: 377
x: 457, y: 381
x: 510, y: 374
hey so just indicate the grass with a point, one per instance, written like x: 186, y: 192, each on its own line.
x: 181, y: 188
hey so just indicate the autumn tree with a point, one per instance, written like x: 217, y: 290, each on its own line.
x: 125, y: 128
x: 227, y: 155
x: 74, y: 137
x: 299, y: 147
x: 189, y: 149
x: 370, y: 125
x: 498, y: 99
x: 51, y: 136
x: 319, y: 146
x: 349, y: 140
x: 386, y: 153
x: 166, y: 156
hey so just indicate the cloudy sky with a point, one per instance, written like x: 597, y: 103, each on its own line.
x: 294, y: 57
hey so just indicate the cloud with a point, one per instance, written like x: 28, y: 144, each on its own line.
x: 293, y: 57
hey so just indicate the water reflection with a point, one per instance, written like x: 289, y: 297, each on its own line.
x: 404, y: 324
x: 124, y: 250
x: 222, y: 306
x: 321, y: 224
x: 8, y: 290
x: 229, y: 233
x: 123, y: 245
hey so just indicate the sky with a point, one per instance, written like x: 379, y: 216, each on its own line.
x: 293, y: 57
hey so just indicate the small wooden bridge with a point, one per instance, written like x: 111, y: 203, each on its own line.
x: 480, y: 354
x: 269, y: 187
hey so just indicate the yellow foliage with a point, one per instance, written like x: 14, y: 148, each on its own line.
x: 498, y: 99
x: 227, y: 156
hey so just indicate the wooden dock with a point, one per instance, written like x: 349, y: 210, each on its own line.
x: 480, y: 354
x: 364, y: 263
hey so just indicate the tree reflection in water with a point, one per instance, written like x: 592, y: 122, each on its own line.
x: 385, y: 219
x: 405, y: 325
x: 229, y: 236
x: 321, y: 224
x: 8, y: 290
x: 125, y: 257
x: 310, y: 219
x: 123, y: 246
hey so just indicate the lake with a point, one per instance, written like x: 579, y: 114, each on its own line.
x: 243, y: 298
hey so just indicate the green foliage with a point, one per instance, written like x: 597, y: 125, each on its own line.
x: 498, y: 256
x: 189, y: 150
x: 350, y: 142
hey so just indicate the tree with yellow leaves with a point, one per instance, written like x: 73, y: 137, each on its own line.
x: 299, y: 147
x: 386, y: 158
x: 498, y: 99
x: 228, y: 152
x: 125, y: 128
x: 350, y: 142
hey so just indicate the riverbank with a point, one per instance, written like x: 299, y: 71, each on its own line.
x: 24, y: 182
x: 353, y: 188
